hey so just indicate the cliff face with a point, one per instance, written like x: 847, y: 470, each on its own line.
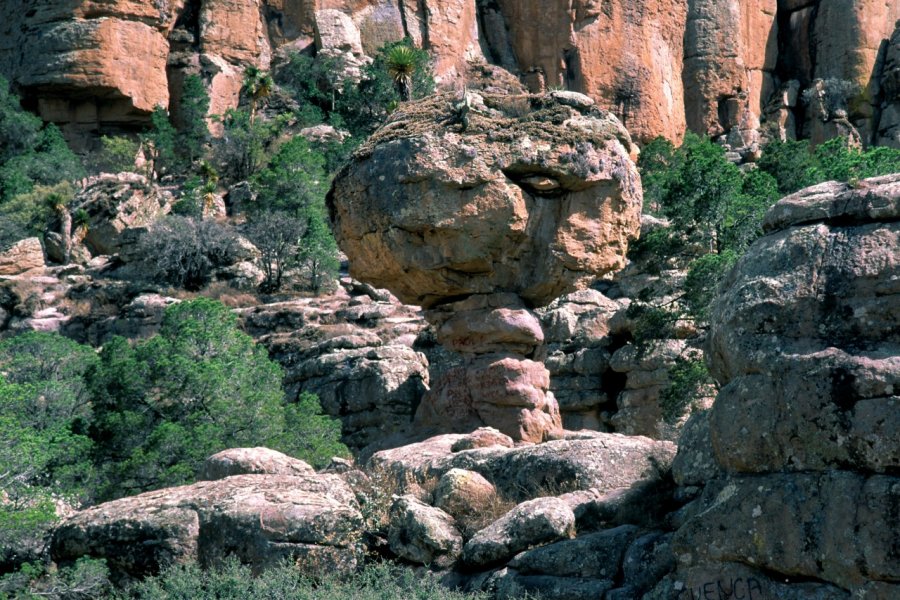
x: 718, y: 67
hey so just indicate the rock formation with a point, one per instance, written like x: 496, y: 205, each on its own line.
x: 555, y: 170
x: 260, y: 519
x: 717, y: 67
x: 801, y: 494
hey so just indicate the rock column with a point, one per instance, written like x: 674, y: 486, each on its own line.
x: 478, y: 222
x: 498, y: 385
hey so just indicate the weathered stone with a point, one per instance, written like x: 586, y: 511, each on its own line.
x: 465, y: 495
x: 484, y: 324
x: 695, y: 463
x: 601, y: 461
x: 116, y: 203
x: 773, y: 522
x: 804, y: 336
x: 483, y: 437
x: 426, y: 231
x: 533, y: 522
x: 251, y: 461
x: 260, y: 519
x: 496, y: 390
x: 25, y: 256
x: 593, y: 556
x: 423, y: 534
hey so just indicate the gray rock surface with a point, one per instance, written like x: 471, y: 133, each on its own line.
x: 600, y: 461
x: 423, y: 534
x: 533, y: 522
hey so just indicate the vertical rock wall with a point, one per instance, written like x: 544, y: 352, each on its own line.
x: 716, y: 67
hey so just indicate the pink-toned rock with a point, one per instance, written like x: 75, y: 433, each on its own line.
x: 251, y: 461
x: 260, y: 519
x: 483, y: 324
x: 22, y: 257
x: 429, y: 230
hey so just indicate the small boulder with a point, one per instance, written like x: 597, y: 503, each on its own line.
x: 423, y: 534
x: 464, y: 494
x: 246, y: 461
x: 533, y: 522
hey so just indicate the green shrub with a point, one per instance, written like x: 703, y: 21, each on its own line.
x: 233, y: 581
x: 198, y: 387
x: 117, y: 154
x: 31, y: 153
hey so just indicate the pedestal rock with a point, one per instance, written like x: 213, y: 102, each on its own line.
x: 480, y: 209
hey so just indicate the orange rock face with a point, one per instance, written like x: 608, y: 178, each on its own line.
x: 626, y: 55
x: 716, y: 67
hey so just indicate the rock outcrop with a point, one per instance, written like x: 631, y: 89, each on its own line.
x: 117, y: 203
x: 801, y: 499
x: 354, y: 350
x: 260, y: 519
x: 23, y: 257
x: 553, y: 167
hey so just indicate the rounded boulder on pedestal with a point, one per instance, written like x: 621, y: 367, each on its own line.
x: 532, y: 196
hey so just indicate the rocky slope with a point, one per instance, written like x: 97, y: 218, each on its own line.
x: 718, y: 67
x: 786, y: 489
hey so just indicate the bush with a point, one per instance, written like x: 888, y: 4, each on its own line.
x: 294, y: 180
x: 44, y: 416
x: 118, y: 154
x: 277, y: 235
x: 31, y: 153
x: 200, y: 386
x: 31, y: 214
x: 184, y: 252
x: 233, y: 581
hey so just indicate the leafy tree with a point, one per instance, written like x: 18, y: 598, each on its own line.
x: 240, y: 152
x: 117, y: 154
x: 258, y: 84
x: 161, y: 142
x: 44, y: 449
x: 790, y: 163
x: 319, y: 252
x: 193, y: 132
x: 200, y: 386
x: 294, y: 180
x: 31, y: 153
x: 184, y: 252
x: 309, y: 433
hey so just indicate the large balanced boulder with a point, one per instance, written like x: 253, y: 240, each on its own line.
x: 260, y: 519
x: 534, y: 196
x: 480, y: 209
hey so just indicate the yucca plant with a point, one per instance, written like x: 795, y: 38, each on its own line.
x: 401, y: 66
x: 257, y: 84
